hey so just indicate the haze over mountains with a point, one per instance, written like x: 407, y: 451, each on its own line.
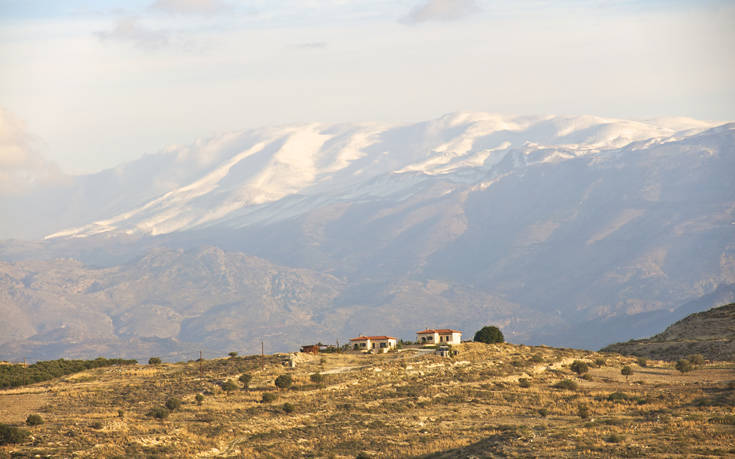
x: 542, y: 225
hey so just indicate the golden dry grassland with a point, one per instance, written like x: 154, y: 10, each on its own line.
x: 488, y: 401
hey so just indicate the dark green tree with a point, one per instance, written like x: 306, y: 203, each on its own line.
x: 245, y: 379
x: 489, y: 334
x: 579, y: 367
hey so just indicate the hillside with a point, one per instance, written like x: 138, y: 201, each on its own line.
x: 710, y: 333
x: 487, y: 401
x: 542, y: 225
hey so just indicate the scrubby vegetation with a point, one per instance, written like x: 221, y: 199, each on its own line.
x: 18, y: 375
x: 34, y: 420
x: 12, y: 434
x: 489, y: 334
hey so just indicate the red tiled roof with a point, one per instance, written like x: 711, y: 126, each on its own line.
x: 364, y: 338
x: 440, y: 331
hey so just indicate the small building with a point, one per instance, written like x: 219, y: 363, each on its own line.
x: 439, y: 336
x: 379, y: 343
x: 310, y: 349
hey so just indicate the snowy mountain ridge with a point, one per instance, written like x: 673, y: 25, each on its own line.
x: 235, y: 177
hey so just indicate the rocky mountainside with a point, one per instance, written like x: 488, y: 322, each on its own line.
x: 541, y: 225
x: 710, y: 333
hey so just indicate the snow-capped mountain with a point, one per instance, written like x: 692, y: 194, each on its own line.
x: 237, y: 176
x: 550, y: 227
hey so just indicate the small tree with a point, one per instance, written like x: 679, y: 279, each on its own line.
x: 696, y: 359
x: 154, y: 361
x: 173, y: 403
x: 489, y: 334
x: 684, y: 365
x: 159, y: 412
x: 232, y: 354
x: 626, y: 371
x: 34, y: 420
x: 642, y: 362
x: 579, y: 367
x: 229, y: 386
x: 269, y: 397
x: 288, y: 408
x: 284, y: 381
x: 583, y: 411
x: 199, y: 398
x: 12, y: 434
x: 245, y: 379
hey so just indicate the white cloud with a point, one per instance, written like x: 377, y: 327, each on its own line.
x: 131, y: 30
x: 21, y: 166
x: 191, y: 6
x: 440, y: 10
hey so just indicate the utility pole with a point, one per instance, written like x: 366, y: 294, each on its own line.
x: 262, y: 354
x: 201, y: 360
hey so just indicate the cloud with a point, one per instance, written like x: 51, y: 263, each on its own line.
x: 21, y: 166
x: 440, y: 10
x: 131, y: 30
x: 191, y: 6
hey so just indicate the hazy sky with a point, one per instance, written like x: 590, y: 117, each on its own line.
x: 88, y: 84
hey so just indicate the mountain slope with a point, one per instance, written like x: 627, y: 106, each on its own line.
x: 542, y: 225
x: 710, y: 333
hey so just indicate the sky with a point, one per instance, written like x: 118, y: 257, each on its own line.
x: 89, y: 84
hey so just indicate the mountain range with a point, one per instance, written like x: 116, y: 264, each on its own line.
x: 567, y: 231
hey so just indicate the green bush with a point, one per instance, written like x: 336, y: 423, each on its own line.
x: 489, y: 334
x: 543, y: 412
x: 284, y: 381
x: 154, y: 361
x: 696, y: 359
x: 579, y: 367
x: 229, y: 386
x: 96, y: 425
x: 600, y: 362
x: 566, y: 384
x: 288, y: 408
x: 120, y: 413
x: 642, y: 362
x: 537, y: 358
x: 524, y: 382
x: 684, y: 365
x: 199, y: 398
x: 232, y: 354
x: 245, y: 379
x: 159, y: 412
x: 626, y: 371
x: 269, y: 397
x: 614, y: 438
x: 173, y: 404
x: 34, y: 420
x: 583, y: 411
x: 11, y: 434
x: 617, y: 397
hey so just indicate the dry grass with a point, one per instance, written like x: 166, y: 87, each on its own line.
x: 393, y: 405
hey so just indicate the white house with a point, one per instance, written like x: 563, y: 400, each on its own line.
x: 380, y: 343
x: 439, y: 336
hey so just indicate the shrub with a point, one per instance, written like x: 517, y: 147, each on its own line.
x: 583, y: 411
x: 159, y: 412
x: 600, y: 362
x: 543, y: 412
x: 316, y: 378
x: 269, y: 397
x: 245, y: 379
x: 524, y: 382
x: 11, y: 434
x: 579, y: 367
x: 154, y: 361
x: 642, y: 362
x: 96, y: 425
x: 684, y: 365
x: 199, y: 398
x: 284, y: 381
x: 614, y: 438
x: 120, y: 413
x: 173, y: 404
x: 288, y: 408
x: 363, y: 455
x: 229, y: 385
x: 566, y: 384
x: 626, y: 371
x: 617, y: 397
x: 34, y: 420
x: 696, y: 359
x: 586, y: 377
x: 232, y: 354
x: 537, y: 358
x: 489, y: 334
